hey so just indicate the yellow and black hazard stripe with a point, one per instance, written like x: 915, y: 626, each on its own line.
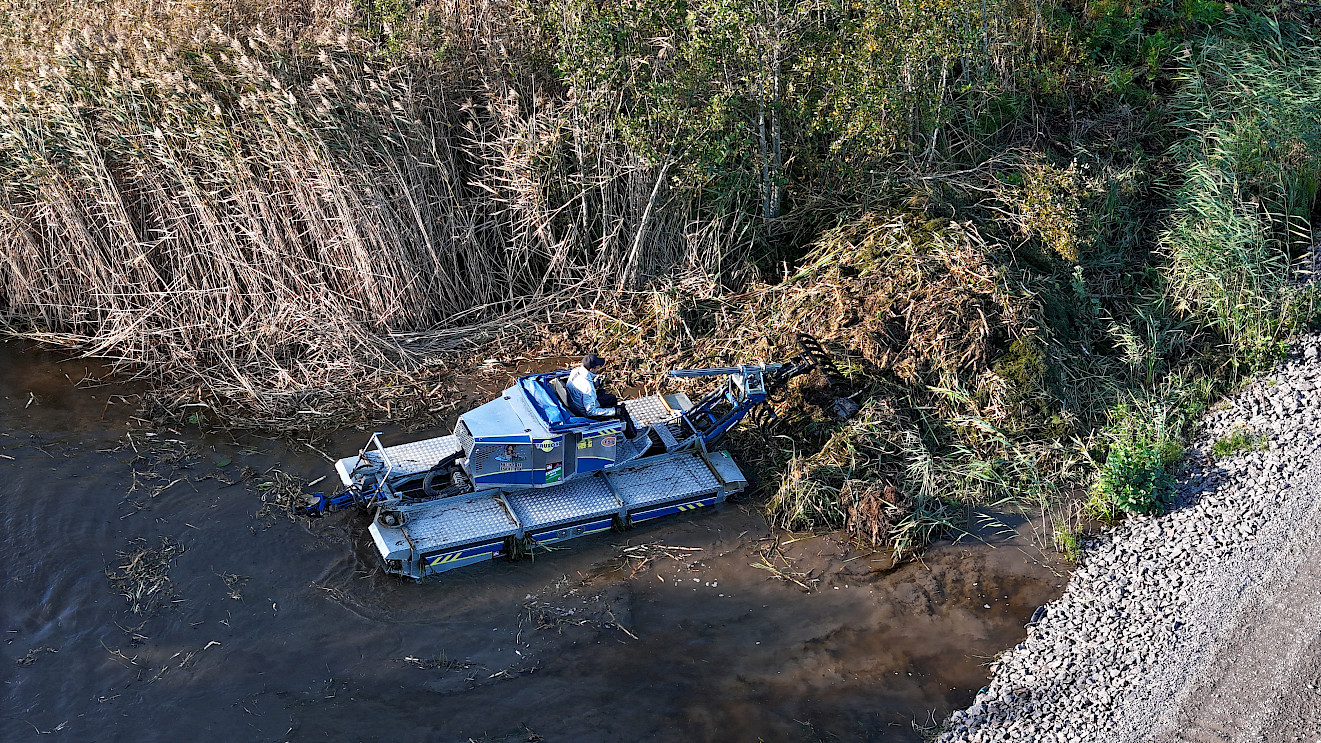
x: 656, y: 512
x: 440, y: 561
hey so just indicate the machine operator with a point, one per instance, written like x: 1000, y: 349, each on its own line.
x: 583, y: 392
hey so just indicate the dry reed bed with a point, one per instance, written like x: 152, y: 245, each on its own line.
x: 266, y: 221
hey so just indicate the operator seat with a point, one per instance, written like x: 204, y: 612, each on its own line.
x: 562, y: 393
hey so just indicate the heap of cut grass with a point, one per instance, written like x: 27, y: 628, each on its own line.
x: 920, y: 314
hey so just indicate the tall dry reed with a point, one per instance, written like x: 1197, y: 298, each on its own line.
x: 255, y: 216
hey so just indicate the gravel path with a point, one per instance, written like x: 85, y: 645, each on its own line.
x: 1200, y: 626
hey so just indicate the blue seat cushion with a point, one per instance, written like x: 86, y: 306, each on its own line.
x: 543, y: 398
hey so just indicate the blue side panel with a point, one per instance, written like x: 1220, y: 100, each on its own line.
x: 647, y: 514
x: 520, y: 477
x: 441, y: 561
x: 564, y: 533
x: 592, y: 464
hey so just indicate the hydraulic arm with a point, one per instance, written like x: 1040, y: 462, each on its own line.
x: 751, y: 385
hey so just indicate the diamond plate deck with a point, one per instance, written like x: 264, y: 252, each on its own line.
x: 647, y: 410
x: 461, y: 520
x: 675, y: 477
x: 421, y: 456
x: 572, y: 501
x: 408, y: 459
x: 456, y: 521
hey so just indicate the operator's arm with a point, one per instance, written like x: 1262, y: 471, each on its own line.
x: 594, y: 408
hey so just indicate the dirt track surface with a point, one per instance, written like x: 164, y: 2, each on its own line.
x: 1262, y: 681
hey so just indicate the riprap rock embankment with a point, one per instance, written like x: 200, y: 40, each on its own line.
x: 1200, y: 625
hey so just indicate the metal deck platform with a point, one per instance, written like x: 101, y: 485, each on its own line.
x: 655, y: 408
x: 405, y: 459
x: 445, y: 534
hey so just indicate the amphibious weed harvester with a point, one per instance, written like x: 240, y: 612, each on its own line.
x: 528, y: 469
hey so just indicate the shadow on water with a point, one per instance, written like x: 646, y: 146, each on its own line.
x: 267, y: 628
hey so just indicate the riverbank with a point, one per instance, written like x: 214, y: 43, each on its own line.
x: 1199, y: 625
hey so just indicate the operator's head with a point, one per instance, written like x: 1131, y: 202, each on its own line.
x: 593, y: 363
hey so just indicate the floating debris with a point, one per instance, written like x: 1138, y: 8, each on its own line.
x: 142, y: 576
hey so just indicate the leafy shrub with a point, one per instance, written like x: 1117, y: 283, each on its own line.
x: 1137, y: 475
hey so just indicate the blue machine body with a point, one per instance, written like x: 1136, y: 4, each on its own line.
x: 529, y: 437
x: 526, y: 470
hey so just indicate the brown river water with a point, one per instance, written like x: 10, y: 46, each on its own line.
x: 280, y: 629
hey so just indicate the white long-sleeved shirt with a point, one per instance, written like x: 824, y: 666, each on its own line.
x: 582, y: 389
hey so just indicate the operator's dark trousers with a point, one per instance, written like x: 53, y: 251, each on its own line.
x: 607, y: 400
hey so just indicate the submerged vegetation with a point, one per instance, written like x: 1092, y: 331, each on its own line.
x: 1043, y: 237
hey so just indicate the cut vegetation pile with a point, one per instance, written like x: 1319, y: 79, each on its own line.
x: 1044, y: 237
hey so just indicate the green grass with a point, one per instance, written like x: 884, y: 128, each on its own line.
x: 1251, y: 164
x: 1068, y: 543
x: 1238, y: 442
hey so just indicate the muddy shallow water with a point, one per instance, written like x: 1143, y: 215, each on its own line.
x: 705, y: 628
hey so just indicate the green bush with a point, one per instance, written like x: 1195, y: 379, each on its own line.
x: 1137, y: 476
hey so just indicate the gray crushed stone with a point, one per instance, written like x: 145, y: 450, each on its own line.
x: 1162, y: 609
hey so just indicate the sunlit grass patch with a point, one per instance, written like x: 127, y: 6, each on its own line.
x: 1240, y: 441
